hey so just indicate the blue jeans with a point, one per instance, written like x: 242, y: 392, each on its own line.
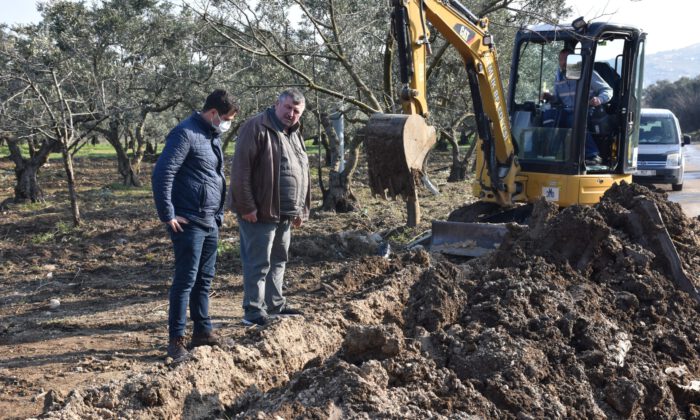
x: 264, y: 254
x: 195, y: 261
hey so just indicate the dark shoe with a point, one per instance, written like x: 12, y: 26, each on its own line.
x: 260, y: 321
x: 593, y: 160
x: 209, y: 339
x: 177, y: 350
x: 288, y: 311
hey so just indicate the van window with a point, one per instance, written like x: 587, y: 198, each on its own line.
x: 657, y: 130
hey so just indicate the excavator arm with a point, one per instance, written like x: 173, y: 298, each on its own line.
x: 498, y: 169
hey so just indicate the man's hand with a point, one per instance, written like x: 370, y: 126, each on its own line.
x: 251, y: 217
x: 176, y: 222
x: 595, y: 101
x: 297, y: 221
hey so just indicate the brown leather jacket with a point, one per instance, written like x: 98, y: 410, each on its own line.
x: 255, y: 170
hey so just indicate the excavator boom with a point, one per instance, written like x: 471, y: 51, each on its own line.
x: 398, y: 138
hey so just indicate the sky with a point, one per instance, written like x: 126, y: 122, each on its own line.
x: 670, y: 24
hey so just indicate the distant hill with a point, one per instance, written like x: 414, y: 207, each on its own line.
x: 672, y: 65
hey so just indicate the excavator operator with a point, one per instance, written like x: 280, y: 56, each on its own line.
x: 563, y: 98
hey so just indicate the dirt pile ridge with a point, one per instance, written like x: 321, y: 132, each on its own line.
x: 214, y: 379
x: 576, y: 316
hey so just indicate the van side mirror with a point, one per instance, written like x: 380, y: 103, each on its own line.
x: 574, y: 62
x: 686, y: 139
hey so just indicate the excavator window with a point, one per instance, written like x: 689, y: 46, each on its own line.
x: 537, y: 127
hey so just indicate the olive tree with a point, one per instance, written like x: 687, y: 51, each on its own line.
x: 40, y: 79
x: 143, y: 56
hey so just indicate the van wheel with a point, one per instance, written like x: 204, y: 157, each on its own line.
x: 677, y: 187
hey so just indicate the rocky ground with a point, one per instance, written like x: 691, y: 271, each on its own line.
x: 575, y: 316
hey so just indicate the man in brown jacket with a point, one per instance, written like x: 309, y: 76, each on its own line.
x: 270, y: 192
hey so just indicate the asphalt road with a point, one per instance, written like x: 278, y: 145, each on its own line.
x: 689, y: 197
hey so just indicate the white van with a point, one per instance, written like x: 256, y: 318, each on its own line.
x: 660, y: 159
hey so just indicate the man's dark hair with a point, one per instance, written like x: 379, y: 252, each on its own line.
x: 294, y: 93
x: 222, y: 101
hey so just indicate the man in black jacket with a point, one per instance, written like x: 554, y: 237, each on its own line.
x: 189, y: 191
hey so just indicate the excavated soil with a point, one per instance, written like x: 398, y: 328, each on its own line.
x: 576, y: 315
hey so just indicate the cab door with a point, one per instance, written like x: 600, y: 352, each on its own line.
x: 632, y: 102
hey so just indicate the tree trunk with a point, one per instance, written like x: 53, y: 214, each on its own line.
x: 229, y: 136
x: 338, y: 197
x: 140, y: 141
x: 129, y: 175
x: 70, y: 177
x: 27, y: 187
x: 126, y: 170
x: 151, y: 150
x: 459, y: 168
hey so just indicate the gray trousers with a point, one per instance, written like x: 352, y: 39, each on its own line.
x: 264, y: 256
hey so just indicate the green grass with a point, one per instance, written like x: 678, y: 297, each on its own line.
x: 43, y: 238
x: 404, y: 234
x: 34, y: 206
x: 229, y: 248
x: 60, y: 229
x: 311, y: 148
x: 99, y: 151
x: 106, y: 151
x: 118, y: 186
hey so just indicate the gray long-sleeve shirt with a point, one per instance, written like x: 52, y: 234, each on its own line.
x: 565, y: 90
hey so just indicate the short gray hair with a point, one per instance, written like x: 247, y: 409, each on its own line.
x: 294, y: 93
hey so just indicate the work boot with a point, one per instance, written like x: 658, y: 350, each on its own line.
x: 206, y: 339
x: 260, y: 321
x: 287, y: 311
x: 177, y: 350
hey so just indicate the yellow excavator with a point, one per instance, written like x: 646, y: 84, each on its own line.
x: 527, y: 148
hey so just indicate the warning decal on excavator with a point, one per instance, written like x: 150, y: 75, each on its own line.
x: 464, y: 32
x: 550, y: 193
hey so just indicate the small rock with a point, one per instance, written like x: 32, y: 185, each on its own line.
x: 624, y: 396
x: 54, y: 303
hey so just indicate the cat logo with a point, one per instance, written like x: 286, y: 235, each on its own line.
x: 464, y: 32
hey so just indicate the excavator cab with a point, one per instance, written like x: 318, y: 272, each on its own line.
x: 570, y: 150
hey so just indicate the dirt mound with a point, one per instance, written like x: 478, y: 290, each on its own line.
x: 576, y: 315
x: 324, y: 246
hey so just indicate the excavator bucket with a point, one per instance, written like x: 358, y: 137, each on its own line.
x: 396, y: 146
x: 466, y: 239
x: 475, y: 229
